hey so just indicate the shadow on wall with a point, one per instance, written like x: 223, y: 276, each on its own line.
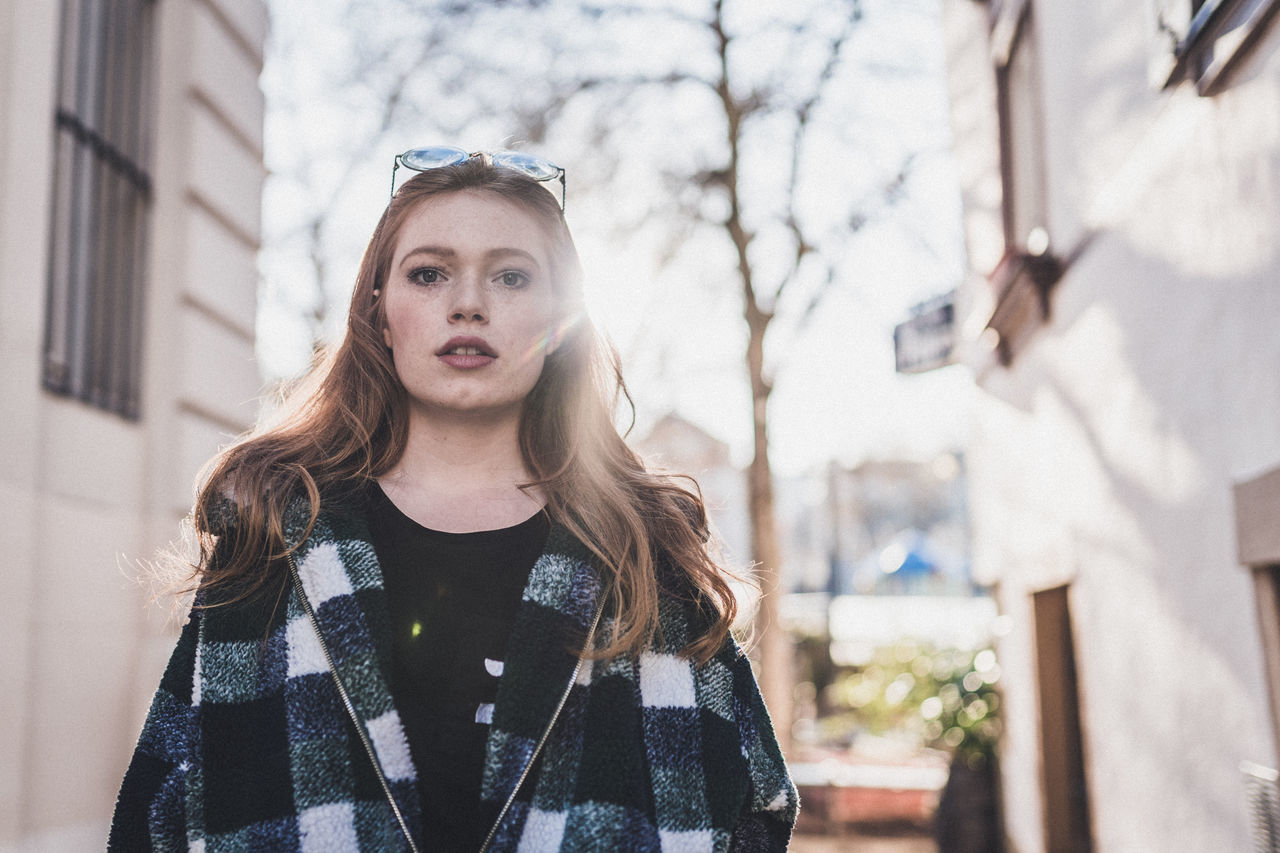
x: 1150, y: 378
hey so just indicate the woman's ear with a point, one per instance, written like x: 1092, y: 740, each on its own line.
x: 386, y: 330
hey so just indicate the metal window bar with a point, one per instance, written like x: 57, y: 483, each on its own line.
x: 1203, y: 13
x: 1263, y: 797
x: 101, y: 196
x: 1215, y: 35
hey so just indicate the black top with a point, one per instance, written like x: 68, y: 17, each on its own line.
x: 453, y: 599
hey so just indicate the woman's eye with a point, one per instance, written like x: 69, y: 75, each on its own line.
x: 513, y: 278
x: 426, y: 275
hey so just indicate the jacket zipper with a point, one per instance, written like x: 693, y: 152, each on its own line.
x: 351, y: 709
x: 533, y: 756
x: 368, y: 747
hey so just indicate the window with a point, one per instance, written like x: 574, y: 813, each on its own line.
x: 1258, y: 546
x: 1266, y: 587
x: 1028, y: 271
x: 1202, y: 39
x: 101, y: 198
x: 1021, y: 132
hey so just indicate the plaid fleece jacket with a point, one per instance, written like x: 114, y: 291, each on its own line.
x: 248, y: 744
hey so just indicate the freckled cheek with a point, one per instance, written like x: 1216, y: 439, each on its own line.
x: 404, y: 328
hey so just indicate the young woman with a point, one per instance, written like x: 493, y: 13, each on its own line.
x: 441, y: 605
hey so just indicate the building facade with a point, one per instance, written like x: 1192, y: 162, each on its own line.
x: 679, y: 447
x: 131, y: 166
x: 1120, y: 170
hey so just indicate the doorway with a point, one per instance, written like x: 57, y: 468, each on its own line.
x: 1066, y: 795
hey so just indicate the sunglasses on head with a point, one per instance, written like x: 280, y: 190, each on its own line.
x: 426, y: 159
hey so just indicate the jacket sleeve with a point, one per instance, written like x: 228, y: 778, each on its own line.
x: 772, y: 803
x: 150, y: 811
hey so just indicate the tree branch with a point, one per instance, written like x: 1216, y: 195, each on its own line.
x: 803, y: 114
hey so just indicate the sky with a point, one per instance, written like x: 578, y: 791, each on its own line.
x: 678, y: 326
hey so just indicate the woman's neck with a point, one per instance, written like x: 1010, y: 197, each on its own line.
x: 462, y: 476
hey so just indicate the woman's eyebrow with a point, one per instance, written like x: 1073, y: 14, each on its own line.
x: 435, y: 251
x: 491, y: 254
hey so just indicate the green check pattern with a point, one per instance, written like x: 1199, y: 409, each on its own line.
x: 247, y: 745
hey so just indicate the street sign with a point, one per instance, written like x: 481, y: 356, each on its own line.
x: 927, y: 340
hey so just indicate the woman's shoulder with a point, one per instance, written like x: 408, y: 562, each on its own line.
x: 230, y: 613
x: 683, y: 620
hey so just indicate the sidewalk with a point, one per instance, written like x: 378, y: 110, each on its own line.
x: 856, y: 843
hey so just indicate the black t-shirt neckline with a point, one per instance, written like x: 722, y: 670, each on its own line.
x: 452, y: 600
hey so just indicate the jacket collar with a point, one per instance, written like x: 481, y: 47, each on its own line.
x: 344, y: 584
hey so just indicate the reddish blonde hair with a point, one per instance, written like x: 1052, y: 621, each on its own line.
x: 347, y: 424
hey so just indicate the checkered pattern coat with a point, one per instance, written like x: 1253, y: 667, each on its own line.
x: 248, y: 745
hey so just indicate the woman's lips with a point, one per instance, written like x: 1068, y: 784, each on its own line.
x: 466, y: 353
x: 466, y: 362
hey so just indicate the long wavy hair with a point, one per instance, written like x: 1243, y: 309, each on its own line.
x: 347, y: 424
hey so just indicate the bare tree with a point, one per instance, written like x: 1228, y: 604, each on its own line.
x: 742, y: 112
x: 741, y: 105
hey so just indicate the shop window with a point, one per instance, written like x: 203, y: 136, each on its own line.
x: 101, y: 201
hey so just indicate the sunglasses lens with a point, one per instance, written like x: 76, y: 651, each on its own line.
x: 423, y: 159
x: 534, y: 167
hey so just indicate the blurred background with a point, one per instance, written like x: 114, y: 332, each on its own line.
x: 960, y: 311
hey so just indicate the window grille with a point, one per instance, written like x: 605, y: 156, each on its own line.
x: 1205, y: 38
x: 101, y: 199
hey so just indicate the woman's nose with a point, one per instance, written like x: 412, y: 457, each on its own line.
x: 469, y: 302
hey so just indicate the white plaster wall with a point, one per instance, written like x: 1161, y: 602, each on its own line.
x: 87, y: 497
x: 27, y: 38
x: 1104, y: 456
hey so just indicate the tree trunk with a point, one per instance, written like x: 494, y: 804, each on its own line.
x: 775, y: 647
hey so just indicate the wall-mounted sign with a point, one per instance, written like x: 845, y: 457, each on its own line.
x: 928, y: 340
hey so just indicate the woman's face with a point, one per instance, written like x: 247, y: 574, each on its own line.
x: 470, y: 305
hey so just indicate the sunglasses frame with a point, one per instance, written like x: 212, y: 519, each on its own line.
x: 440, y: 156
